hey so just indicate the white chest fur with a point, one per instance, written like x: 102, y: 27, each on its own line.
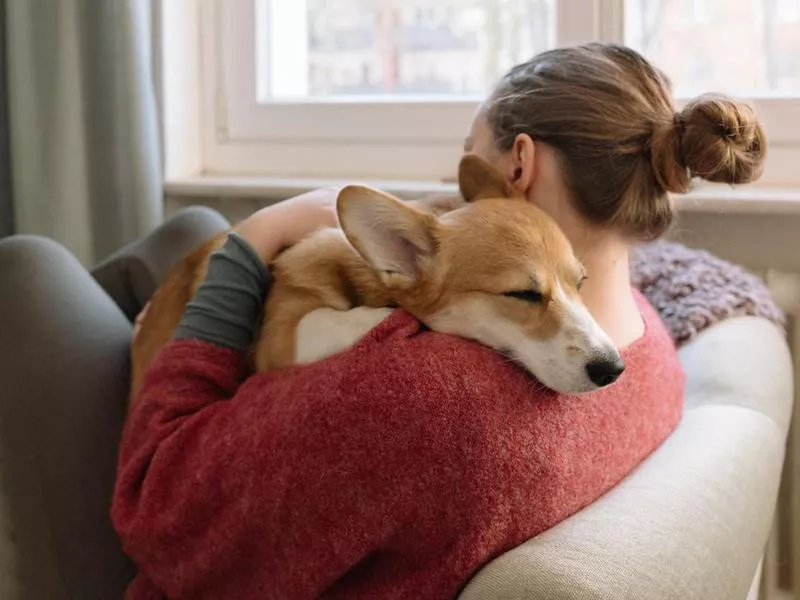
x: 324, y: 332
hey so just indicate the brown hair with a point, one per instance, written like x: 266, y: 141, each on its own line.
x: 610, y: 115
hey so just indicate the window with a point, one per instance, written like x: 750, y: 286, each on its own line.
x: 746, y: 48
x: 446, y: 50
x: 788, y: 11
x: 698, y: 9
x: 740, y: 44
x: 786, y: 69
x: 386, y: 89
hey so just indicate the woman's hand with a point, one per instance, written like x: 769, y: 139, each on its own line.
x: 137, y: 324
x: 284, y: 224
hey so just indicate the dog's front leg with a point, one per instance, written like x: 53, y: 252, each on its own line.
x: 326, y: 331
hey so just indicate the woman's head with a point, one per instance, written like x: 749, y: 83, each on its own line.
x: 620, y: 146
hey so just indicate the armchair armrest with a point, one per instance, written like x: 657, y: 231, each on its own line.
x: 693, y: 520
x: 132, y: 274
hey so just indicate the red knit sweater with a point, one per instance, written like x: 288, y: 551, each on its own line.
x: 393, y: 470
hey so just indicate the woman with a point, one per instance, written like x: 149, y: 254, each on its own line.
x: 397, y: 469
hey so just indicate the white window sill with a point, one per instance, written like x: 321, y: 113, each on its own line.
x: 274, y: 189
x: 712, y: 199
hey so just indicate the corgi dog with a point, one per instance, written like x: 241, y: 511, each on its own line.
x: 490, y: 267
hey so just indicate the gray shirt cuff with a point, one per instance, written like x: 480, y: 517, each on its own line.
x: 228, y: 304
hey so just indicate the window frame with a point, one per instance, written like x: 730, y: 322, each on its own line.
x: 376, y: 138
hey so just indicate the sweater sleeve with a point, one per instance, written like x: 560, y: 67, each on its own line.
x: 274, y: 487
x: 226, y: 308
x: 282, y: 490
x: 207, y: 364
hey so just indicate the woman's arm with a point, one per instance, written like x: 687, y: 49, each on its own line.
x: 283, y: 489
x: 227, y: 306
x: 209, y: 364
x: 227, y: 491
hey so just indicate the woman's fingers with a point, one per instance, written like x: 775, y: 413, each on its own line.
x: 137, y: 323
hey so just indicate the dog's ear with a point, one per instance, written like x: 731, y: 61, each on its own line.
x: 479, y: 180
x: 393, y: 237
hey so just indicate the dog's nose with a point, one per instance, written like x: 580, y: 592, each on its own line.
x: 604, y: 371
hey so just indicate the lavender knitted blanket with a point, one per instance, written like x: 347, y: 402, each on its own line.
x: 692, y: 289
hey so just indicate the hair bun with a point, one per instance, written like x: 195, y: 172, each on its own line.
x: 715, y: 138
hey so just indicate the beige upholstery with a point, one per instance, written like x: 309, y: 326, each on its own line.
x: 693, y: 520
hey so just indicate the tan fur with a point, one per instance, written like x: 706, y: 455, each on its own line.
x: 319, y: 272
x: 323, y: 271
x: 436, y: 258
x: 497, y: 247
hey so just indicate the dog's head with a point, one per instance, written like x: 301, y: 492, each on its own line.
x: 498, y: 271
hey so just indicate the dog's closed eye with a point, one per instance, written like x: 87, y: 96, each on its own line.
x: 531, y: 296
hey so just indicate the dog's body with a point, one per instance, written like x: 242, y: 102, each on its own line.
x: 322, y: 272
x: 497, y: 270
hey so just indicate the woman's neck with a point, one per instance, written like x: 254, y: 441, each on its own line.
x: 607, y: 291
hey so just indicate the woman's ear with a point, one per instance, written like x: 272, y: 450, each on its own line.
x: 523, y: 163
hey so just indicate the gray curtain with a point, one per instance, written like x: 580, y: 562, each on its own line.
x: 85, y: 158
x: 6, y: 200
